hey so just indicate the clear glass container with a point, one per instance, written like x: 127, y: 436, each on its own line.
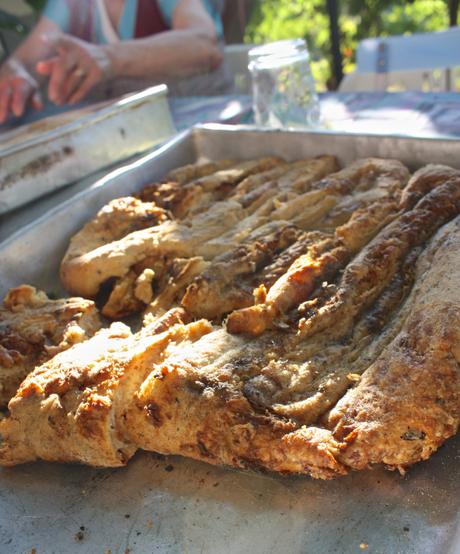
x: 283, y: 88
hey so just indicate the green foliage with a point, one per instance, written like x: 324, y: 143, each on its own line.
x: 418, y: 17
x: 281, y: 19
x: 36, y: 5
x: 9, y: 22
x: 359, y: 19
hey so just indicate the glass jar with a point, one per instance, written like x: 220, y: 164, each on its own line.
x: 283, y: 88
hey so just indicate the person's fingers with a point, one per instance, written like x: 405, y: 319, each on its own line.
x: 46, y: 67
x: 73, y: 82
x: 5, y: 100
x: 85, y: 86
x: 63, y: 67
x: 36, y: 101
x: 21, y: 93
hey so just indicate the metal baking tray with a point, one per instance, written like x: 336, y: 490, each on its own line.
x: 43, y: 156
x: 175, y: 505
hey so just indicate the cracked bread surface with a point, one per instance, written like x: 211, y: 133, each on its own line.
x: 333, y: 340
x: 33, y: 328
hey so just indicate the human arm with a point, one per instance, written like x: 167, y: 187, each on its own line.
x: 19, y: 86
x: 189, y: 48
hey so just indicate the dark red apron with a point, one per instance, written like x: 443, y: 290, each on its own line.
x: 149, y: 19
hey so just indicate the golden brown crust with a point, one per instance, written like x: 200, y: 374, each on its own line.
x: 326, y: 255
x: 212, y: 216
x: 425, y: 180
x: 118, y: 218
x: 355, y: 361
x: 68, y: 409
x: 408, y: 402
x: 225, y: 401
x: 374, y: 267
x: 224, y: 286
x: 33, y: 328
x: 187, y: 173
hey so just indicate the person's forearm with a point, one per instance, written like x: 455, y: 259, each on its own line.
x: 172, y: 54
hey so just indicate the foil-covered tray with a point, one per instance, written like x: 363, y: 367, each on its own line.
x: 173, y: 504
x: 40, y: 157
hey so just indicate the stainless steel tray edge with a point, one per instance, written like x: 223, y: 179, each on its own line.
x: 250, y: 140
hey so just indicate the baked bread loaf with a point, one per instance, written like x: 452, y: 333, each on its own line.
x: 33, y: 328
x: 346, y: 356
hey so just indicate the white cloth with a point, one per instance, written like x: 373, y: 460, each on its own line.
x: 108, y: 30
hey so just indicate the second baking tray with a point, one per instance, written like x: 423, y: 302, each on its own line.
x: 179, y: 505
x: 45, y: 155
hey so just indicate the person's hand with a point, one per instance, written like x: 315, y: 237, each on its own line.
x: 18, y: 89
x: 75, y: 69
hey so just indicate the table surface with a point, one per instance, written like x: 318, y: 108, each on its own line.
x: 433, y: 114
x: 426, y: 114
x: 405, y: 114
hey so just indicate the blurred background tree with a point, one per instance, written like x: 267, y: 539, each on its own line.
x: 16, y: 20
x: 281, y: 19
x: 358, y: 19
